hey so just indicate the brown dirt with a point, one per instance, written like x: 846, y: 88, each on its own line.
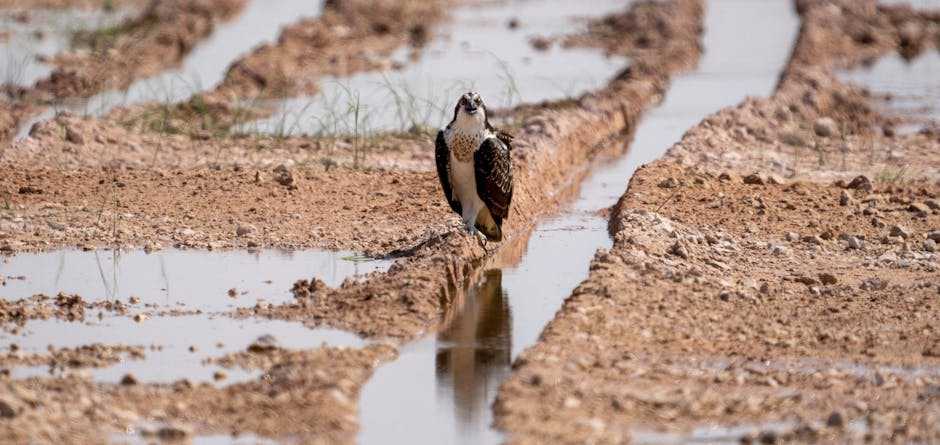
x: 62, y: 4
x: 144, y: 45
x: 86, y: 356
x: 307, y: 396
x: 749, y: 285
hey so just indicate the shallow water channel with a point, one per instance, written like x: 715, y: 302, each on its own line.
x: 203, y: 68
x: 448, y: 380
x: 911, y: 88
x: 476, y: 49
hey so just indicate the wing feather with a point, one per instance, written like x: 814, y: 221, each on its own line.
x: 442, y: 158
x: 493, y: 172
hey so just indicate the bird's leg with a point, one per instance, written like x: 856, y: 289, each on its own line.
x: 481, y: 238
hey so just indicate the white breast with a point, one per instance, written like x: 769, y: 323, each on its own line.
x: 463, y: 175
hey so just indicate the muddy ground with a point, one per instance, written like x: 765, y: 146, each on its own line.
x: 755, y: 275
x: 774, y: 271
x: 95, y: 183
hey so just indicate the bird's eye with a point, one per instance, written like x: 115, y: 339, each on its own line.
x: 478, y: 101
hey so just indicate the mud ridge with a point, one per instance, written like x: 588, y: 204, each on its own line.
x: 735, y: 244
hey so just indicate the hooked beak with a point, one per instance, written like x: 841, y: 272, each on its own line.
x: 471, y: 108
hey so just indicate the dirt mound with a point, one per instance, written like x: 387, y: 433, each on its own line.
x: 750, y: 286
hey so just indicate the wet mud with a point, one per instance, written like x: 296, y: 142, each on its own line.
x: 817, y: 273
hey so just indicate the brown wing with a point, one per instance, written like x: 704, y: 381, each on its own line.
x: 492, y: 165
x: 442, y: 158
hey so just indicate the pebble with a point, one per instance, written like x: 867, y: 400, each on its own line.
x: 6, y: 410
x: 898, y: 230
x: 845, y: 198
x: 219, y: 375
x: 930, y: 245
x: 934, y: 235
x: 825, y: 127
x: 74, y: 136
x: 861, y: 182
x: 828, y: 279
x: 792, y: 236
x: 933, y: 204
x: 754, y: 179
x: 835, y: 420
x: 129, y: 380
x: 854, y: 243
x: 244, y: 229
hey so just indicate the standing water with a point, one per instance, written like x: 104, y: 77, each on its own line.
x: 485, y: 47
x: 449, y: 381
x: 203, y: 68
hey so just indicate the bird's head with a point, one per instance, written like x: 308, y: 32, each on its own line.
x: 470, y: 112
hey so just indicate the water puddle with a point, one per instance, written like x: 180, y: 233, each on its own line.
x: 174, y: 347
x: 178, y: 300
x: 26, y: 37
x: 183, y: 279
x: 912, y: 87
x: 450, y: 380
x: 476, y: 49
x: 204, y: 67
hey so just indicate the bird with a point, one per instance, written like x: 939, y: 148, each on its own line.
x: 474, y: 165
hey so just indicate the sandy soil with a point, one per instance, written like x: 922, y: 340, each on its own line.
x: 61, y: 4
x: 308, y: 396
x: 750, y: 285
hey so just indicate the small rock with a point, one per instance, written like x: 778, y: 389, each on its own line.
x: 854, y: 243
x: 232, y: 293
x: 897, y: 230
x: 933, y: 204
x: 725, y: 295
x: 934, y: 235
x: 792, y: 236
x: 129, y: 380
x: 835, y: 420
x: 134, y: 300
x: 778, y: 250
x: 754, y: 179
x: 861, y: 182
x: 244, y: 229
x: 264, y: 343
x: 219, y: 375
x: 513, y: 23
x: 540, y: 43
x: 7, y: 411
x: 140, y: 317
x: 874, y: 284
x: 845, y: 198
x: 812, y: 239
x: 930, y: 245
x: 59, y: 227
x: 668, y: 183
x: 283, y: 176
x: 828, y: 279
x: 802, y: 279
x: 679, y: 250
x: 74, y: 136
x: 825, y: 127
x: 172, y: 434
x: 918, y: 208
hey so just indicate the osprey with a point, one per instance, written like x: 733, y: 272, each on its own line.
x: 475, y: 168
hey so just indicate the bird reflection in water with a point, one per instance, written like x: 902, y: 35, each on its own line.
x: 474, y: 352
